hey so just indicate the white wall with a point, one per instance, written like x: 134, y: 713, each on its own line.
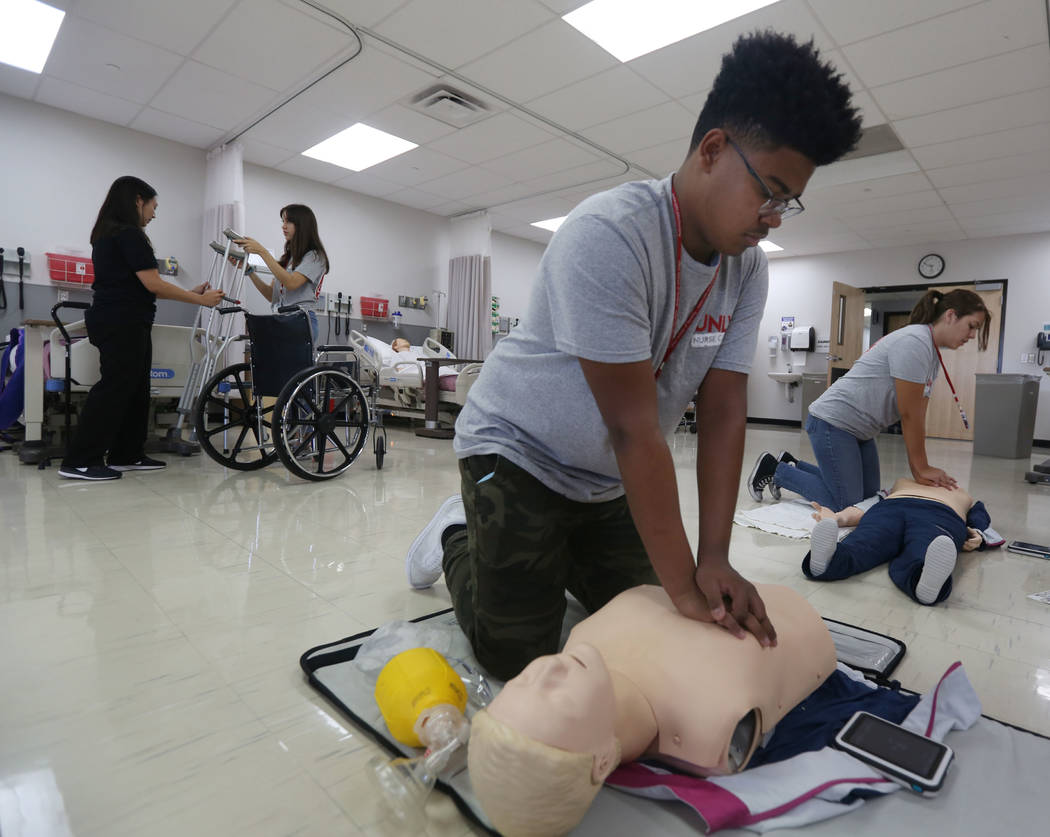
x: 58, y: 167
x: 376, y: 248
x: 802, y: 287
x: 514, y: 264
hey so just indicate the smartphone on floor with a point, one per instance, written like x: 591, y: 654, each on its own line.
x: 918, y: 763
x: 1025, y: 548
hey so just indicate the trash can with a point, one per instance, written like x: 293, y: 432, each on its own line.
x: 1004, y: 415
x: 813, y: 386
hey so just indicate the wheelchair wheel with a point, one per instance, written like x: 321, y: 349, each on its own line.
x: 233, y: 426
x: 380, y: 450
x: 320, y: 423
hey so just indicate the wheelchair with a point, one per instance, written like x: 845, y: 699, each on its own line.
x: 289, y: 403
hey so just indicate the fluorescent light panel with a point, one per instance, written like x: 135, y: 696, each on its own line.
x: 629, y: 28
x: 30, y: 31
x: 769, y: 246
x: 359, y: 147
x: 551, y: 224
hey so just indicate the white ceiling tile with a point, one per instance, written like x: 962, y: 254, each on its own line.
x: 271, y: 44
x: 898, y: 184
x: 298, y: 126
x: 178, y: 129
x: 1006, y: 223
x: 416, y: 199
x: 852, y: 20
x: 600, y: 98
x: 891, y: 203
x: 493, y: 137
x: 863, y: 168
x: 206, y: 95
x: 366, y: 183
x: 467, y: 182
x: 1033, y: 183
x: 694, y: 103
x: 579, y: 176
x: 313, y: 169
x: 408, y: 124
x: 984, y: 147
x: 455, y: 32
x: 546, y: 158
x: 886, y: 220
x: 1016, y: 111
x: 364, y: 12
x: 503, y: 195
x: 416, y: 166
x: 83, y: 50
x: 992, y: 206
x: 18, y: 82
x: 523, y: 69
x: 870, y: 113
x: 1001, y: 75
x: 263, y: 154
x: 661, y: 159
x: 452, y: 208
x: 73, y: 97
x: 1000, y: 168
x: 691, y: 65
x: 925, y: 235
x: 370, y: 82
x: 969, y: 34
x: 563, y: 7
x: 644, y: 129
x: 178, y: 27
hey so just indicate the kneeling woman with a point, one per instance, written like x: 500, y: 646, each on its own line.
x: 115, y: 418
x: 298, y: 274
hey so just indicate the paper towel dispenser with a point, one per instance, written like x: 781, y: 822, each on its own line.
x: 803, y: 339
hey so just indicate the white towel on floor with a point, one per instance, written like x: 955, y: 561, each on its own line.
x: 789, y: 518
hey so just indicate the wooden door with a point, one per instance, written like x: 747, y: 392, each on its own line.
x: 942, y: 416
x: 847, y: 329
x: 895, y: 320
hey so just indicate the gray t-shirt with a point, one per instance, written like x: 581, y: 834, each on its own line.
x: 606, y: 292
x: 863, y: 402
x: 312, y: 267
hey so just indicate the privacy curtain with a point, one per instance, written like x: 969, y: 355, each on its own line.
x: 223, y: 200
x: 470, y: 305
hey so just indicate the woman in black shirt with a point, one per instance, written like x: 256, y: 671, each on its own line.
x: 114, y: 421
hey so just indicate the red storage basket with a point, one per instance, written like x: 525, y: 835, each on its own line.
x: 73, y: 269
x: 375, y: 307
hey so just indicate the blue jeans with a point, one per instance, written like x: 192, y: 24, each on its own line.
x: 895, y: 531
x: 848, y: 468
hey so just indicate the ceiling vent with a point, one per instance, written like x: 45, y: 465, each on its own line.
x: 875, y: 139
x: 448, y: 105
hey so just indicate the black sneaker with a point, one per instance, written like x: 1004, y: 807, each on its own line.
x: 761, y: 476
x: 786, y: 458
x: 143, y: 463
x: 96, y: 473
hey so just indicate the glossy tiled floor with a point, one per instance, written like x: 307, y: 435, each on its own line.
x: 151, y: 630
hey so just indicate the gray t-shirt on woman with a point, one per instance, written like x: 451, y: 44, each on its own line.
x: 313, y: 268
x: 863, y: 402
x: 606, y: 292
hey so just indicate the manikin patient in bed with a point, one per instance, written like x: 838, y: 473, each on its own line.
x: 400, y: 344
x: 637, y: 679
x: 918, y: 530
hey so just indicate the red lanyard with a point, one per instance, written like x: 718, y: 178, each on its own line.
x: 678, y: 285
x: 944, y: 369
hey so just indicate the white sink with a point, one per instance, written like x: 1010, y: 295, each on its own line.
x: 786, y: 377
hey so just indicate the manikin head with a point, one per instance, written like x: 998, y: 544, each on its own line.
x: 775, y: 112
x: 400, y: 344
x: 539, y: 753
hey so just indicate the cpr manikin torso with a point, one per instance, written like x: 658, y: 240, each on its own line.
x: 955, y: 498
x: 638, y: 679
x: 703, y: 684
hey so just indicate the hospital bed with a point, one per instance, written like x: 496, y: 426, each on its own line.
x: 401, y: 377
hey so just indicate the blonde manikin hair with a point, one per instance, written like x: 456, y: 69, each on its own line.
x: 528, y: 788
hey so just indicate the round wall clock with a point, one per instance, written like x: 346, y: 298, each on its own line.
x: 931, y: 266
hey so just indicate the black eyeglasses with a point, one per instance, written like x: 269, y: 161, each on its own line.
x: 785, y: 208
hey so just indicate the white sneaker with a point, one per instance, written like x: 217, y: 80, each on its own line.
x: 423, y: 563
x: 937, y: 569
x: 823, y: 542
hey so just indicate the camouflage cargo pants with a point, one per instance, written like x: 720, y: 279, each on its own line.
x: 523, y: 547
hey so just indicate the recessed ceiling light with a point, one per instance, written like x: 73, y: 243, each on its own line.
x: 627, y: 28
x: 769, y: 246
x: 551, y: 224
x: 31, y: 28
x: 359, y: 147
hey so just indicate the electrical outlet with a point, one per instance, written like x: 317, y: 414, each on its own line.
x: 63, y: 296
